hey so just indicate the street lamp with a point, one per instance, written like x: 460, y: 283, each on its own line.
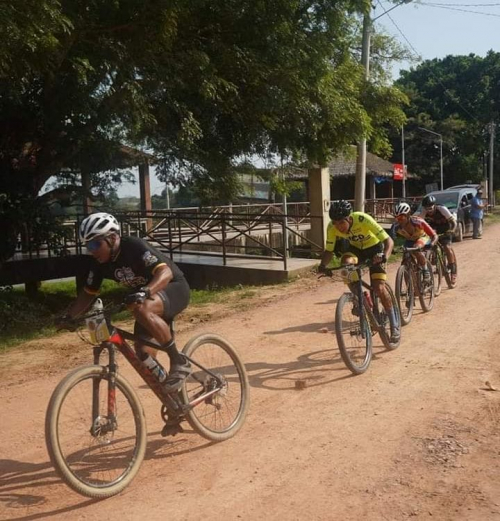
x: 360, y: 179
x: 440, y: 148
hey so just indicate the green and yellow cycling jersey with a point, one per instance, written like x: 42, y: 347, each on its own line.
x: 364, y: 233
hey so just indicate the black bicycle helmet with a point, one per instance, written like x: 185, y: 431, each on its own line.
x: 340, y: 210
x: 428, y: 200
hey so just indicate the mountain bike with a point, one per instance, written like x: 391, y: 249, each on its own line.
x: 411, y: 284
x: 95, y: 425
x: 440, y: 268
x: 355, y: 325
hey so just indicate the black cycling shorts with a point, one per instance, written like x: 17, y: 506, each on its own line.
x: 376, y: 272
x: 175, y: 299
x: 444, y: 229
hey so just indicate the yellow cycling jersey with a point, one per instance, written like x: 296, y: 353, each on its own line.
x: 364, y: 233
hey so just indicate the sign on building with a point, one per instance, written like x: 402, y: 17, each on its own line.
x: 399, y: 172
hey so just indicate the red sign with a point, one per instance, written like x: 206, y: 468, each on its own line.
x: 399, y: 172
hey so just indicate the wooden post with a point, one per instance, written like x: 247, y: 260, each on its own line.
x: 319, y: 197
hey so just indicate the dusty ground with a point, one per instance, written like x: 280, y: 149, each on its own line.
x: 417, y: 436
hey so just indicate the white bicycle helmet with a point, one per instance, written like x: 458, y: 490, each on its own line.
x: 98, y: 224
x: 402, y: 209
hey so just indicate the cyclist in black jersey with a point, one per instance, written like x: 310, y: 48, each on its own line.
x: 444, y: 222
x: 159, y: 289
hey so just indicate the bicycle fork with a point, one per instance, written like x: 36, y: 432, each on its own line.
x: 102, y: 425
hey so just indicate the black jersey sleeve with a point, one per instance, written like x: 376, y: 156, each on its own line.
x: 94, y: 279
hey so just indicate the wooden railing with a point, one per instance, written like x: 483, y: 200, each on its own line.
x: 180, y: 229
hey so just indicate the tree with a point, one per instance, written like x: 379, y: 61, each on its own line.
x: 198, y: 82
x: 456, y: 96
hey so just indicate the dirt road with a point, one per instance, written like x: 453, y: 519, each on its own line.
x: 417, y: 436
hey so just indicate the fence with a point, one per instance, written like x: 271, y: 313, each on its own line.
x: 227, y: 231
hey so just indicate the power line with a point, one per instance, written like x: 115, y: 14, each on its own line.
x: 460, y: 10
x: 463, y: 5
x: 418, y: 55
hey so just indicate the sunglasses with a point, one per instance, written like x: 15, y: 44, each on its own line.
x: 94, y: 244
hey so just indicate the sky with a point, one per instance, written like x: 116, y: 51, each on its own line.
x: 430, y: 29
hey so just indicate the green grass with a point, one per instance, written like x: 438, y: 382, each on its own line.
x: 23, y: 319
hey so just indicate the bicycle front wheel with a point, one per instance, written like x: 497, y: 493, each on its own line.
x: 354, y: 337
x: 404, y: 294
x: 218, y: 388
x: 426, y: 290
x: 95, y: 450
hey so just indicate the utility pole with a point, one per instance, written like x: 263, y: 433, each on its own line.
x: 440, y: 151
x: 403, y: 160
x: 491, y: 192
x: 360, y: 178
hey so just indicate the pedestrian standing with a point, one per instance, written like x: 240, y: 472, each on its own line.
x: 476, y: 214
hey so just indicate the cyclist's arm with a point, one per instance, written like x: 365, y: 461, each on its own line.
x: 162, y: 275
x: 388, y: 246
x: 89, y: 292
x: 326, y: 258
x: 82, y: 302
x: 452, y: 222
x: 431, y: 232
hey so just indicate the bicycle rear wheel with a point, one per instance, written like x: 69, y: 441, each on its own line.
x: 353, y: 337
x: 221, y: 414
x: 95, y: 454
x: 383, y: 319
x: 404, y: 294
x: 426, y: 290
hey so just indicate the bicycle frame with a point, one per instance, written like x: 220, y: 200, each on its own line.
x: 171, y: 401
x: 411, y: 262
x: 364, y: 309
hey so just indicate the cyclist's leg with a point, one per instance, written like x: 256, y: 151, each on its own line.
x: 155, y: 316
x: 350, y: 257
x: 378, y: 278
x: 421, y: 259
x: 445, y: 241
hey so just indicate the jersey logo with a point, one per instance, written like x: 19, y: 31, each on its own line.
x: 149, y: 259
x: 359, y: 237
x: 361, y: 218
x: 127, y: 277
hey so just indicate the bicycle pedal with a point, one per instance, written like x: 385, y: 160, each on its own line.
x: 171, y: 429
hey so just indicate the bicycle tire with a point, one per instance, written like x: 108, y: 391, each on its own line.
x: 405, y: 295
x: 231, y: 369
x: 383, y: 319
x: 426, y: 290
x: 89, y: 481
x: 351, y: 338
x: 437, y: 272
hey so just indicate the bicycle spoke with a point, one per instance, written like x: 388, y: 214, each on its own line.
x: 220, y: 398
x: 353, y: 338
x: 98, y: 454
